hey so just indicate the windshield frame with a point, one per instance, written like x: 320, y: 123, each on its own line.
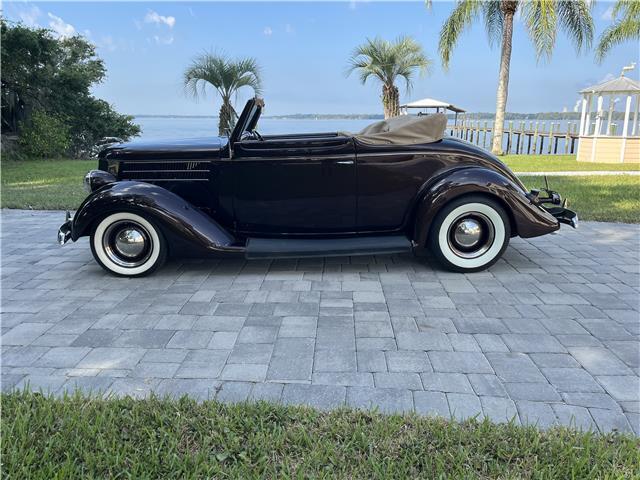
x: 248, y: 119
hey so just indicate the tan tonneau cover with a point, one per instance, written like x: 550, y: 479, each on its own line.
x: 405, y: 130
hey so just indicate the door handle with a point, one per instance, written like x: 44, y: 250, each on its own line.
x: 345, y: 162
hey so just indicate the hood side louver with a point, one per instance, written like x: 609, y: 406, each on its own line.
x: 165, y: 171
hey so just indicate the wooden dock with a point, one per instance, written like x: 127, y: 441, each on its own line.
x: 522, y: 137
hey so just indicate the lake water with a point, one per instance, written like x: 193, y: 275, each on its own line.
x: 156, y: 128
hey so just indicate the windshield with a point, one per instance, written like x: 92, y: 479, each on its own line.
x: 248, y: 118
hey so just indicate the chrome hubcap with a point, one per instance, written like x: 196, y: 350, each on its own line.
x: 127, y: 243
x: 467, y: 232
x: 471, y: 235
x: 130, y: 242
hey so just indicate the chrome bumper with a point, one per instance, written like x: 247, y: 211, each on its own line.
x: 564, y: 215
x: 554, y: 205
x: 64, y: 232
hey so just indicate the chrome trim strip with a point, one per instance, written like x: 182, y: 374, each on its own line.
x: 163, y: 160
x: 305, y: 158
x: 385, y: 154
x: 167, y: 179
x: 166, y: 171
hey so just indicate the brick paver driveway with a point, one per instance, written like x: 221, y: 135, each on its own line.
x: 549, y: 335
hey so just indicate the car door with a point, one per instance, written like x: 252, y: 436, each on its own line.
x: 294, y: 185
x: 389, y: 180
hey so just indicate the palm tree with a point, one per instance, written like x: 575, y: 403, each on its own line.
x: 626, y: 26
x: 226, y: 76
x: 541, y: 19
x: 387, y: 61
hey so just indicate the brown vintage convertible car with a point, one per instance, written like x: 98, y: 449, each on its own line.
x: 398, y: 186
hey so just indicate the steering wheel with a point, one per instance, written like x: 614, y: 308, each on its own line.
x: 258, y: 136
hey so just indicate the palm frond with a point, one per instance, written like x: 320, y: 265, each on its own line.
x: 245, y: 73
x: 576, y: 21
x: 409, y: 57
x: 461, y: 17
x: 541, y: 20
x: 624, y: 29
x: 627, y: 8
x: 387, y: 61
x: 493, y: 21
x: 225, y: 75
x: 369, y: 59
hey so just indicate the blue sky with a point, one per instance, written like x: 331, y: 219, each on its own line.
x: 303, y: 50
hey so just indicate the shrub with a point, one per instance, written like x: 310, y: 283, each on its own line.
x: 44, y: 136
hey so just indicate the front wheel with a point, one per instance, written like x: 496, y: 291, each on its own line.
x: 469, y: 234
x: 127, y: 244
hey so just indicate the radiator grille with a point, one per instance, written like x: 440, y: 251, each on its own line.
x: 191, y: 170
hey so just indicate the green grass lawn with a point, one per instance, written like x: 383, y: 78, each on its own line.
x: 44, y: 184
x: 559, y: 163
x: 77, y: 437
x: 57, y: 184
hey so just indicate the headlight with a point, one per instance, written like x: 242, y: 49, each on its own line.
x: 96, y: 179
x: 86, y: 183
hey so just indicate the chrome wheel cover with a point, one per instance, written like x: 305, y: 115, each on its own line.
x: 127, y: 243
x: 470, y: 235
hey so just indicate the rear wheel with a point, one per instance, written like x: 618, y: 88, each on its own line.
x: 469, y: 234
x: 128, y: 244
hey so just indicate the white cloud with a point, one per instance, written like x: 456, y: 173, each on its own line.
x: 154, y: 17
x: 30, y: 17
x: 267, y: 31
x: 60, y: 27
x: 160, y: 21
x: 607, y: 14
x: 288, y: 28
x: 168, y: 40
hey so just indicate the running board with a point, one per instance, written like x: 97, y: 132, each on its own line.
x: 334, y: 247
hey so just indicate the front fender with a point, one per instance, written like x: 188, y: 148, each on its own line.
x: 178, y: 219
x: 528, y: 220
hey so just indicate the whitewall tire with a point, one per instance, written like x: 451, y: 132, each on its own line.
x: 470, y: 234
x: 128, y: 244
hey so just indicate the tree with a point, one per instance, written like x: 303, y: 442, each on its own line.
x: 226, y: 76
x: 51, y: 78
x: 44, y: 136
x: 626, y: 26
x: 387, y: 61
x: 541, y: 19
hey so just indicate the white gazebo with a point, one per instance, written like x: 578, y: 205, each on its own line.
x: 601, y: 137
x: 430, y: 103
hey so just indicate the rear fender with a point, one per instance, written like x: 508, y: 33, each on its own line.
x: 178, y: 219
x: 528, y: 220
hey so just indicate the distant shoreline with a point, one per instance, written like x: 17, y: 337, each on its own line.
x: 295, y: 116
x: 374, y: 116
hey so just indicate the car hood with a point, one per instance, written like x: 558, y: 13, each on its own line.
x: 205, y: 147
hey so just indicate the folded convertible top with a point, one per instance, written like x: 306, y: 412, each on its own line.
x: 405, y: 130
